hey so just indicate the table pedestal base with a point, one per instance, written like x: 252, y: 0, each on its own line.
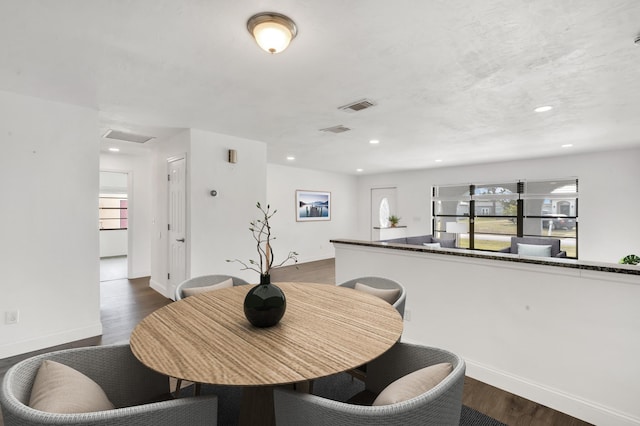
x: 256, y: 407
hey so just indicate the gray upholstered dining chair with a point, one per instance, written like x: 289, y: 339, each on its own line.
x: 390, y: 287
x: 204, y: 281
x: 440, y: 405
x: 128, y: 384
x: 552, y: 244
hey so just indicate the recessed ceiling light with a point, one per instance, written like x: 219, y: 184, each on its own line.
x: 374, y: 141
x: 359, y: 170
x: 567, y: 145
x: 291, y: 158
x: 544, y: 108
x: 438, y: 161
x: 114, y: 149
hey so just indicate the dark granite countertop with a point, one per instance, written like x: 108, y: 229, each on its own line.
x: 505, y: 257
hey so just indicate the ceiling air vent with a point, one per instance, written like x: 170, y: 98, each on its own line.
x: 336, y: 129
x: 358, y: 106
x: 127, y: 137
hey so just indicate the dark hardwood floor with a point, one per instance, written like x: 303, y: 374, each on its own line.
x: 125, y: 302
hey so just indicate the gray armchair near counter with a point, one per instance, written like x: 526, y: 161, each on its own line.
x: 533, y: 246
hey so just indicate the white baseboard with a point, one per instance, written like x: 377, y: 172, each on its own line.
x: 572, y: 405
x: 160, y: 288
x: 41, y: 342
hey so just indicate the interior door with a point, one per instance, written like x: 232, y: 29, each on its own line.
x: 177, y: 223
x: 380, y: 215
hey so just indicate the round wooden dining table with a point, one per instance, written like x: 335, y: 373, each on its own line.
x: 206, y: 338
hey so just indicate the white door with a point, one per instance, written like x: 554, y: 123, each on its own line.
x: 383, y: 205
x: 177, y: 223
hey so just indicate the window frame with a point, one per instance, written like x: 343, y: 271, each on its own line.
x: 521, y: 217
x: 120, y: 217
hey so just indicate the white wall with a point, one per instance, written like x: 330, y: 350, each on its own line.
x: 49, y: 258
x: 565, y: 338
x: 139, y: 169
x: 161, y: 150
x: 217, y: 227
x: 607, y: 196
x: 113, y: 242
x: 310, y: 239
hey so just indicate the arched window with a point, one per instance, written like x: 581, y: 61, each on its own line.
x: 384, y: 213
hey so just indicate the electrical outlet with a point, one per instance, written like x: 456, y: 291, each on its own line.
x: 11, y: 317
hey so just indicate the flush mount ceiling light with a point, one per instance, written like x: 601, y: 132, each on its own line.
x: 273, y: 32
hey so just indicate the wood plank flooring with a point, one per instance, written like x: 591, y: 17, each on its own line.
x: 125, y: 302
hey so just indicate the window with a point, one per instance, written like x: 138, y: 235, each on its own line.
x: 112, y: 212
x: 384, y: 213
x: 495, y: 212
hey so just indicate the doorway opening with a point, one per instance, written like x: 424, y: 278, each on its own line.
x: 113, y: 209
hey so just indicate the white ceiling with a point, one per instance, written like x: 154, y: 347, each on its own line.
x: 455, y: 80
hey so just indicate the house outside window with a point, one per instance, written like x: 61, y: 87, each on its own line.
x: 494, y: 212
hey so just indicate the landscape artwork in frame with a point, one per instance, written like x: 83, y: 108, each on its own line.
x: 313, y: 205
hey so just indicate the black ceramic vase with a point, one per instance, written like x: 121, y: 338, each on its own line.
x: 265, y: 303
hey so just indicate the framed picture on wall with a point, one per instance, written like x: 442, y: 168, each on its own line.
x: 313, y: 205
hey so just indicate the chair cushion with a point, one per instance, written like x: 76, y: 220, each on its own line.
x: 389, y: 295
x: 431, y: 245
x: 197, y: 290
x: 61, y: 389
x: 413, y: 384
x: 534, y: 250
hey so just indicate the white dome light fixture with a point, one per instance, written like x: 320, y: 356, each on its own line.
x: 272, y: 31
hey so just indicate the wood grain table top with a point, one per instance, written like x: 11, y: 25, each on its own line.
x: 326, y: 329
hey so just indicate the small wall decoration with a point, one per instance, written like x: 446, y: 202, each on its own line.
x: 313, y: 205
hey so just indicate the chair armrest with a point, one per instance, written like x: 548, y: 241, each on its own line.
x: 199, y: 411
x: 442, y: 407
x: 294, y: 408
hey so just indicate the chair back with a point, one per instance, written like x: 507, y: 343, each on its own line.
x: 128, y: 384
x: 441, y: 405
x: 553, y: 242
x: 203, y: 281
x: 381, y: 283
